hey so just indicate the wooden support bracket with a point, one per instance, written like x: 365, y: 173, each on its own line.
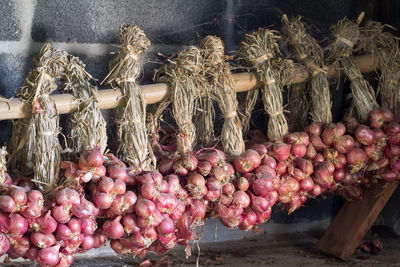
x: 354, y: 220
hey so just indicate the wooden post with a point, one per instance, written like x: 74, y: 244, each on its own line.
x: 354, y: 220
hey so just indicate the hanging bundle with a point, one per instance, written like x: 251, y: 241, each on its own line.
x: 258, y: 49
x: 384, y: 46
x: 87, y: 127
x: 182, y: 76
x: 3, y: 166
x: 247, y: 101
x: 203, y: 119
x: 34, y: 145
x: 222, y: 84
x: 347, y: 35
x: 133, y: 143
x: 298, y: 106
x: 309, y: 53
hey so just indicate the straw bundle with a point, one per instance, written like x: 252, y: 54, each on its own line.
x: 347, y: 35
x: 183, y: 76
x: 34, y: 144
x: 298, y: 106
x: 222, y: 84
x: 308, y: 52
x: 87, y: 127
x: 3, y: 165
x: 384, y: 46
x: 203, y: 119
x: 258, y: 49
x: 247, y: 101
x: 125, y: 67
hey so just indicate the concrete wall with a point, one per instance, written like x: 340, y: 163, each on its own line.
x: 89, y: 29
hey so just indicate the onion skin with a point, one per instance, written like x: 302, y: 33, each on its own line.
x: 42, y: 240
x: 243, y: 184
x: 204, y: 168
x: 356, y: 158
x: 113, y: 228
x: 247, y: 161
x: 343, y: 144
x: 314, y: 128
x: 317, y: 143
x: 311, y: 152
x: 281, y: 151
x: 4, y: 244
x: 49, y: 255
x: 307, y: 184
x: 364, y: 135
x: 7, y: 204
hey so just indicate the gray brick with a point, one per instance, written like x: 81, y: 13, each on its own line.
x: 167, y: 21
x: 9, y: 29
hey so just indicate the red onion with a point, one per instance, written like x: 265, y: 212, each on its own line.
x: 99, y: 240
x: 212, y: 195
x: 42, y: 240
x: 392, y: 151
x: 364, y: 135
x: 166, y: 227
x: 196, y: 183
x: 32, y: 253
x: 35, y: 196
x: 4, y: 244
x: 32, y: 211
x: 103, y: 200
x: 19, y: 196
x: 311, y: 152
x: 7, y: 204
x: 213, y: 184
x: 259, y: 204
x: 149, y: 191
x: 215, y: 158
x: 243, y: 184
x: 220, y: 174
x: 129, y: 222
x: 323, y: 174
x: 67, y: 196
x: 166, y: 203
x: 179, y: 169
x: 392, y: 128
x: 18, y: 225
x: 263, y: 217
x: 317, y: 143
x: 281, y: 168
x: 93, y: 157
x: 351, y: 125
x: 145, y: 207
x: 106, y: 184
x: 339, y: 175
x: 319, y: 158
x: 396, y: 166
x: 356, y: 158
x: 49, y: 256
x: 165, y: 166
x: 204, y: 168
x: 179, y: 210
x: 113, y: 228
x: 343, y: 144
x: 298, y: 150
x: 389, y: 176
x: 87, y: 243
x: 241, y: 199
x: 307, y: 184
x: 189, y: 162
x: 249, y: 219
x: 88, y: 226
x: 351, y: 192
x: 304, y: 165
x: 261, y: 149
x: 61, y: 214
x: 117, y: 172
x: 281, y: 151
x: 269, y: 161
x: 378, y: 117
x: 317, y: 190
x: 372, y: 152
x: 63, y: 232
x: 314, y: 128
x: 263, y: 186
x: 247, y: 161
x: 85, y: 209
x: 380, y: 137
x: 228, y: 188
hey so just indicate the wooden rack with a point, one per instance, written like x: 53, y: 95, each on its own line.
x: 154, y: 93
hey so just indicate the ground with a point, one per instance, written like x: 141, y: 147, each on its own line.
x: 296, y: 249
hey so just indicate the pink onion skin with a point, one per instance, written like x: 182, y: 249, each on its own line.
x: 378, y: 117
x: 323, y: 174
x: 32, y: 253
x: 103, y: 200
x: 106, y: 185
x: 316, y: 191
x: 32, y: 211
x: 129, y: 222
x: 7, y: 204
x: 259, y: 204
x: 263, y: 217
x: 99, y: 240
x: 314, y: 128
x: 45, y: 223
x: 94, y: 157
x: 281, y: 151
x: 88, y: 226
x: 317, y: 143
x: 389, y: 176
x: 243, y: 184
x: 249, y: 220
x: 4, y: 244
x: 357, y: 158
x: 113, y: 228
x: 343, y: 144
x: 18, y: 225
x: 165, y: 166
x: 117, y: 172
x: 261, y: 149
x: 36, y: 197
x: 213, y: 184
x: 307, y: 184
x: 166, y: 227
x: 364, y: 135
x: 179, y: 169
x: 298, y: 150
x: 19, y: 196
x: 145, y: 207
x: 261, y: 187
x: 241, y: 199
x: 87, y: 243
x: 215, y: 157
x: 67, y: 196
x: 204, y: 167
x: 42, y: 240
x: 49, y: 256
x: 228, y: 188
x: 304, y: 165
x: 247, y: 161
x: 269, y: 161
x: 189, y: 162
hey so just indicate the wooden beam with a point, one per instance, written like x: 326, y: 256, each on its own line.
x: 154, y: 93
x: 354, y: 220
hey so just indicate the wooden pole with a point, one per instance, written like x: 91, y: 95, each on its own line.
x: 154, y: 93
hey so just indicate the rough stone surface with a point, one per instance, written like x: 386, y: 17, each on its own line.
x: 88, y: 21
x: 10, y: 29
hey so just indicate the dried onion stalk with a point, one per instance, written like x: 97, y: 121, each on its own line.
x: 347, y: 34
x: 308, y: 52
x: 384, y: 46
x: 222, y: 85
x: 125, y: 67
x: 258, y: 49
x: 87, y: 127
x: 203, y: 119
x: 298, y: 106
x: 247, y: 101
x: 3, y: 165
x: 34, y: 145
